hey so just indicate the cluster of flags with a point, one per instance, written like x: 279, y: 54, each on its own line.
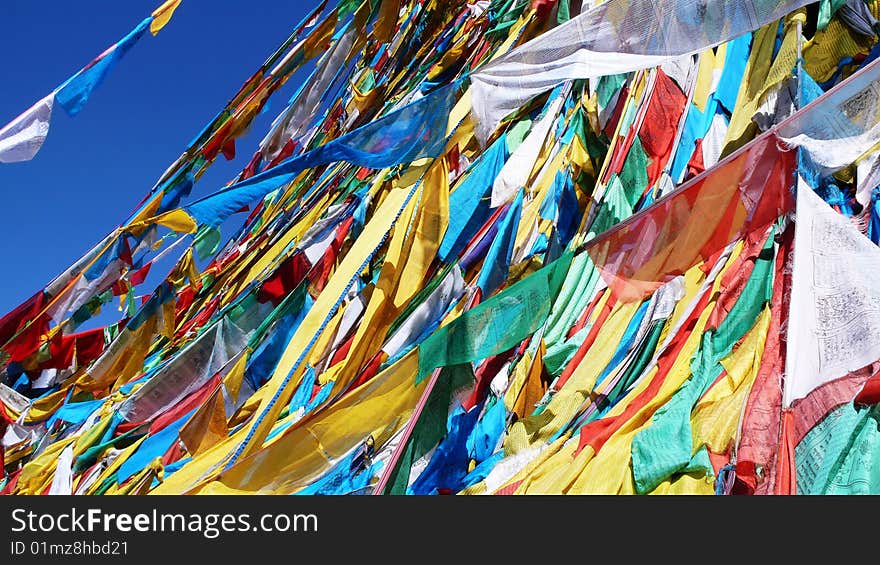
x: 488, y: 247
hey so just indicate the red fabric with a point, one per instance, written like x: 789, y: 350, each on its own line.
x: 696, y: 165
x: 342, y: 351
x: 484, y: 375
x: 251, y: 168
x: 509, y: 489
x: 120, y: 287
x: 174, y: 453
x: 480, y: 52
x: 812, y: 409
x: 383, y: 58
x: 87, y: 346
x: 201, y: 318
x: 228, y: 149
x: 582, y: 320
x: 125, y: 252
x: 660, y: 124
x: 543, y: 7
x: 611, y: 125
x: 618, y: 158
x: 212, y: 148
x: 718, y: 460
x: 257, y: 209
x: 285, y: 152
x: 870, y: 393
x: 809, y: 411
x: 334, y: 117
x: 185, y: 299
x: 786, y: 477
x: 369, y: 371
x: 28, y: 341
x: 285, y: 278
x: 5, y: 418
x: 734, y: 280
x: 759, y: 435
x: 139, y: 276
x: 743, y: 194
x: 12, y: 322
x: 248, y: 87
x: 485, y: 228
x: 321, y: 271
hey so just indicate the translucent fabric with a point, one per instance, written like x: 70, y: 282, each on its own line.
x: 21, y: 138
x: 745, y: 193
x: 197, y: 363
x: 617, y: 36
x: 302, y: 110
x: 840, y: 126
x: 415, y: 131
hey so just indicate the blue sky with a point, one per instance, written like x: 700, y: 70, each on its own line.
x: 94, y: 169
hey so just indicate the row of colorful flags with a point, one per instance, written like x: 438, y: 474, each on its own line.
x: 487, y: 247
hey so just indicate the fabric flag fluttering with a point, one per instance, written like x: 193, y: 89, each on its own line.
x: 496, y: 247
x: 22, y: 138
x: 616, y: 36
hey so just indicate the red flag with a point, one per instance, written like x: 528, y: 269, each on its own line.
x: 744, y: 193
x: 660, y: 124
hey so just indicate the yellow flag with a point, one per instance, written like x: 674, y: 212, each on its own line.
x: 280, y: 388
x: 162, y: 15
x: 207, y: 427
x: 377, y: 409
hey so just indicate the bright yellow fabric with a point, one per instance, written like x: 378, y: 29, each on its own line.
x: 38, y: 472
x: 232, y: 380
x: 829, y: 46
x: 715, y: 418
x: 177, y: 220
x: 756, y: 82
x: 411, y: 251
x: 122, y: 360
x: 162, y: 15
x: 207, y: 427
x: 386, y: 20
x: 377, y: 409
x: 42, y: 408
x: 704, y: 79
x: 336, y: 287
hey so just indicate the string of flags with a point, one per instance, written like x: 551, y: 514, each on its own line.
x: 487, y: 247
x: 22, y: 138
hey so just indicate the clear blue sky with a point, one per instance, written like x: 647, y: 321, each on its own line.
x: 95, y: 168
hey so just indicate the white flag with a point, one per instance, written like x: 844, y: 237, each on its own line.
x: 834, y: 320
x: 21, y: 138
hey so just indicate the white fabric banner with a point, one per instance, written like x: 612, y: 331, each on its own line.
x: 867, y: 177
x: 846, y: 127
x: 515, y: 172
x: 300, y: 112
x: 449, y: 290
x: 21, y: 138
x: 62, y: 482
x: 834, y: 318
x: 618, y: 36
